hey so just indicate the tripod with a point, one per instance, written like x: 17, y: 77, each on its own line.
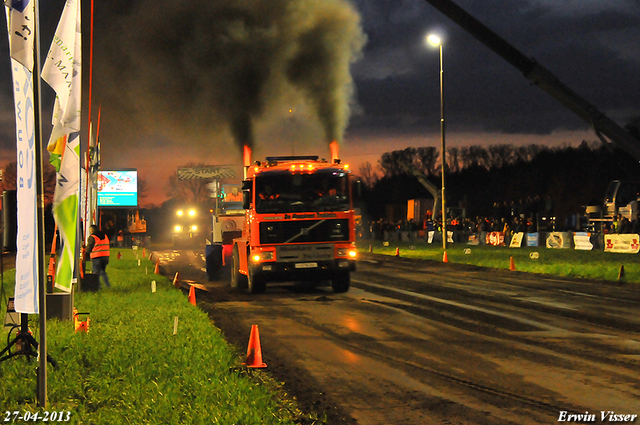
x: 25, y: 343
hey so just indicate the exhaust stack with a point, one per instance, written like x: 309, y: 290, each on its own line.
x: 246, y: 159
x: 334, y: 152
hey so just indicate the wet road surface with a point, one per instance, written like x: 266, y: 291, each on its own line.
x: 416, y: 342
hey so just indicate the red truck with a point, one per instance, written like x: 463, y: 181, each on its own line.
x: 299, y: 224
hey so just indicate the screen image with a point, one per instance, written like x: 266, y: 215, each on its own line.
x: 118, y: 188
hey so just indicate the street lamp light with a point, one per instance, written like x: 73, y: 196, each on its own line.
x: 434, y: 40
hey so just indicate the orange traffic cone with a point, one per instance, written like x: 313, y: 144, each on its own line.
x: 176, y: 280
x: 254, y: 352
x: 397, y: 252
x: 157, y: 269
x: 119, y: 256
x: 444, y: 258
x: 144, y: 252
x: 192, y: 295
x: 512, y: 264
x: 370, y: 248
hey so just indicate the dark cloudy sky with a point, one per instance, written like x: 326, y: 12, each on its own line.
x: 183, y: 82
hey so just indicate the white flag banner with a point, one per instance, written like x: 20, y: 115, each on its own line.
x: 65, y: 211
x: 20, y: 20
x: 26, y: 290
x: 62, y: 70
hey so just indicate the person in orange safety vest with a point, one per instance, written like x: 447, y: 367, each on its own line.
x: 98, y: 250
x: 234, y: 196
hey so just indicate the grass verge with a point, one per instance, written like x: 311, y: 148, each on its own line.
x: 597, y: 265
x: 131, y: 369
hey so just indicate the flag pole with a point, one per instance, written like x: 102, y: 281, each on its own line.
x: 42, y: 278
x: 88, y: 156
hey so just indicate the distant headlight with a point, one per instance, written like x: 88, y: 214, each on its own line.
x: 177, y: 228
x: 194, y: 228
x: 192, y: 213
x: 179, y: 213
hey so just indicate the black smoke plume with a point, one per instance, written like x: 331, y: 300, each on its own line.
x: 207, y: 66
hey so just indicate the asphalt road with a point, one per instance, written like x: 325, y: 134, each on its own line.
x: 417, y: 342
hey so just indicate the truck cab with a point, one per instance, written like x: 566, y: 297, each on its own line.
x: 299, y: 224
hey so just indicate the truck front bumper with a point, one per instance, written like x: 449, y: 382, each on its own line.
x: 317, y: 270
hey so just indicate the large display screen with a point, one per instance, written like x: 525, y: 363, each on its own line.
x: 118, y: 188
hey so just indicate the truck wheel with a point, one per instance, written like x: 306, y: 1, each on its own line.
x: 340, y: 283
x: 238, y: 280
x: 257, y: 284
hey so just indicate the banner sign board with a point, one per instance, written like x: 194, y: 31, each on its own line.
x: 627, y: 243
x: 532, y: 239
x: 516, y: 240
x: 26, y: 289
x: 208, y: 172
x: 558, y: 240
x: 118, y: 188
x: 495, y: 238
x: 582, y: 241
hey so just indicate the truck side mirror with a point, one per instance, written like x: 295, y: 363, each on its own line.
x: 246, y: 199
x: 247, y: 185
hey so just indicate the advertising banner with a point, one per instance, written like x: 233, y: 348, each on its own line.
x: 627, y: 243
x: 26, y: 290
x: 558, y: 240
x: 208, y: 172
x: 495, y: 238
x: 516, y: 240
x: 532, y: 239
x: 118, y: 188
x: 582, y: 241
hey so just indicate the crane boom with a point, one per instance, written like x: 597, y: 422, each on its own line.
x: 542, y: 77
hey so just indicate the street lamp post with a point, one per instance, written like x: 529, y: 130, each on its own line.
x: 436, y: 41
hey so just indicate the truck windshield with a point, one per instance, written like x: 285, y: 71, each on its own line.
x: 283, y: 191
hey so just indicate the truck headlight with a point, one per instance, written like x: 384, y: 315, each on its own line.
x: 177, y: 229
x: 346, y: 252
x: 263, y: 256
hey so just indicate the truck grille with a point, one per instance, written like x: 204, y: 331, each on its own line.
x: 300, y: 231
